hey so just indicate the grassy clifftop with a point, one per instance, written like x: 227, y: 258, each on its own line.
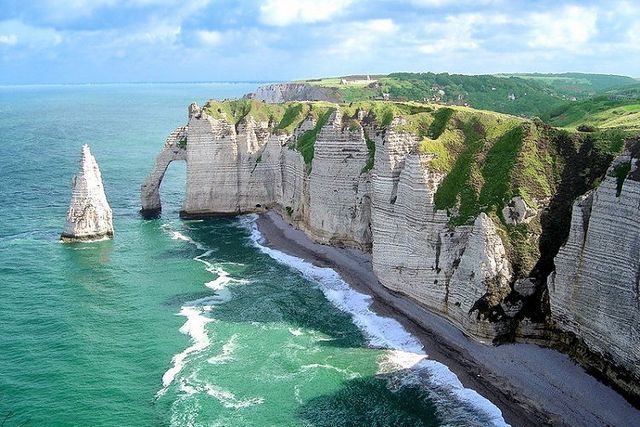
x: 487, y: 158
x: 604, y: 112
x: 521, y: 94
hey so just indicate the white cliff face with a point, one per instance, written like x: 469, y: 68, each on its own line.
x: 594, y: 292
x: 248, y: 167
x: 282, y: 92
x: 89, y: 216
x: 462, y: 272
x: 339, y: 191
x: 458, y: 272
x: 174, y: 149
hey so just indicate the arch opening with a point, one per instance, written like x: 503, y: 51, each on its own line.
x: 175, y: 148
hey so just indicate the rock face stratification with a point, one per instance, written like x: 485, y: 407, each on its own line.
x: 174, y: 149
x: 283, y: 92
x: 450, y: 205
x: 594, y: 293
x: 89, y: 216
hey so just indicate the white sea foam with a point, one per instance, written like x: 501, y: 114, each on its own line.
x: 296, y: 331
x: 195, y: 327
x: 229, y: 400
x: 350, y: 375
x: 227, y: 351
x: 406, y: 352
x: 194, y: 311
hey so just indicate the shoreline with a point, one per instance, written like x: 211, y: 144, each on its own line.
x: 530, y: 384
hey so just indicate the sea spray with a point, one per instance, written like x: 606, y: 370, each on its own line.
x: 405, y: 353
x: 195, y: 326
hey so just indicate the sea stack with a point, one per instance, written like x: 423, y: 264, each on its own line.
x: 89, y: 217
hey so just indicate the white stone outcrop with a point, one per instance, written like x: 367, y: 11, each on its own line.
x: 458, y: 272
x: 518, y: 212
x: 89, y: 216
x: 283, y: 92
x: 594, y: 292
x: 174, y: 149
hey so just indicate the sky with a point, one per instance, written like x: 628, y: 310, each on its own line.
x: 91, y: 41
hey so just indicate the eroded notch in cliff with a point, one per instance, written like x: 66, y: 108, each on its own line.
x: 585, y: 159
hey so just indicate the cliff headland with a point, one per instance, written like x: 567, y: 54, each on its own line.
x: 512, y: 230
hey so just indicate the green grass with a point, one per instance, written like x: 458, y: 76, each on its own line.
x: 498, y: 168
x: 294, y: 114
x: 371, y: 151
x: 306, y: 142
x: 440, y: 119
x: 602, y: 112
x: 457, y: 186
x: 384, y: 112
x: 235, y: 111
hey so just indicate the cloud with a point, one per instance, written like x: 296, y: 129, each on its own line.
x: 14, y: 32
x: 9, y: 39
x: 209, y: 38
x: 447, y: 3
x: 281, y: 13
x: 457, y: 32
x: 67, y: 11
x: 358, y: 36
x: 568, y: 28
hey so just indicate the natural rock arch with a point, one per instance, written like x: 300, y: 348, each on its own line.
x: 175, y: 148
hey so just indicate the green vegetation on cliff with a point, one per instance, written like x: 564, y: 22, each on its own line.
x: 294, y: 114
x: 577, y: 84
x: 235, y: 111
x: 305, y: 143
x: 486, y: 159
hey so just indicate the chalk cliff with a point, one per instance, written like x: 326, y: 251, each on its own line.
x: 284, y: 92
x: 89, y: 216
x: 174, y: 149
x: 459, y: 208
x: 594, y: 292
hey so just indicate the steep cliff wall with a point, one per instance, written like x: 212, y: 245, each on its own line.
x: 354, y: 176
x: 284, y: 92
x: 462, y: 210
x: 594, y: 292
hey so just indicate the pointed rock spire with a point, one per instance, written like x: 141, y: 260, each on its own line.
x: 89, y: 216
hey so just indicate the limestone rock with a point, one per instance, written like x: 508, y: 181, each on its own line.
x: 594, y: 292
x: 525, y: 287
x: 517, y: 212
x: 89, y: 216
x: 460, y: 272
x: 174, y: 149
x: 283, y: 92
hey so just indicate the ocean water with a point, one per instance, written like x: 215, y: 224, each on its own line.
x: 185, y: 323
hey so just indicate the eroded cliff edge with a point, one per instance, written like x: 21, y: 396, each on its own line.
x: 463, y: 211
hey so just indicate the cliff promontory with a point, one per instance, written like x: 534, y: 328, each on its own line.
x: 89, y: 216
x: 467, y: 212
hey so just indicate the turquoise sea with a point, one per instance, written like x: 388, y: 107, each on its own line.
x: 185, y: 323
